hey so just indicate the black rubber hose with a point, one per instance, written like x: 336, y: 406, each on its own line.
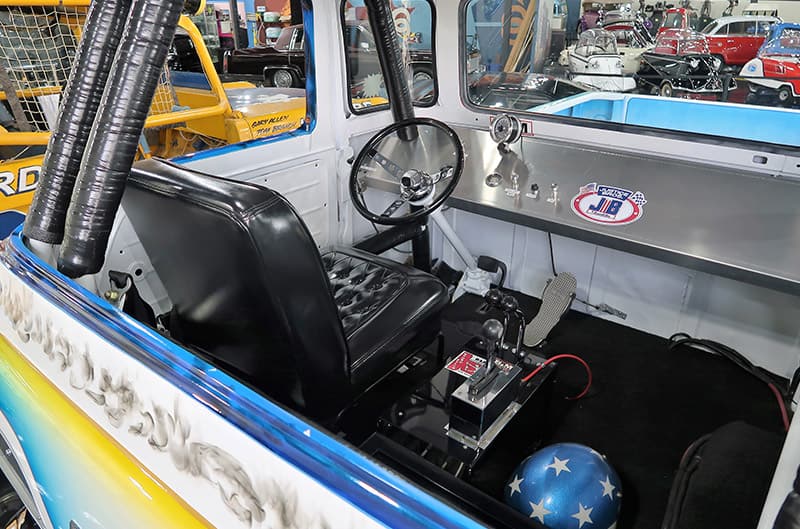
x: 79, y: 103
x: 391, y: 59
x: 116, y: 133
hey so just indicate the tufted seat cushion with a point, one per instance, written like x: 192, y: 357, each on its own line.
x: 374, y: 295
x: 251, y: 292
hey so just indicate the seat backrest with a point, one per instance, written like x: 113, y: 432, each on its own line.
x: 246, y: 281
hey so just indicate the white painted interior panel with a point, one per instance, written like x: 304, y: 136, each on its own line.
x: 658, y: 298
x: 306, y: 187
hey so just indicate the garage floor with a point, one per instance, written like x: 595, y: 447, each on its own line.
x: 647, y: 403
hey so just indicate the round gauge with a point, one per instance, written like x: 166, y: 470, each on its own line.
x: 506, y: 129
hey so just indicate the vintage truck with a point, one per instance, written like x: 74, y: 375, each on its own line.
x: 257, y: 336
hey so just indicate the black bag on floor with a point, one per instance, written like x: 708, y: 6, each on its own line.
x: 723, y: 479
x: 789, y: 515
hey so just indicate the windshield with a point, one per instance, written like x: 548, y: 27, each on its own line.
x: 709, y: 28
x: 284, y: 41
x: 636, y: 73
x: 673, y: 20
x: 785, y: 42
x: 521, y: 91
x: 597, y: 41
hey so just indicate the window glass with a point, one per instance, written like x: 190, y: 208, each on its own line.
x: 741, y: 28
x: 609, y: 60
x: 413, y: 20
x: 673, y: 20
x: 285, y: 40
x: 269, y: 98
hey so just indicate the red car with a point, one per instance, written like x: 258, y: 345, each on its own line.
x: 680, y: 18
x: 737, y: 39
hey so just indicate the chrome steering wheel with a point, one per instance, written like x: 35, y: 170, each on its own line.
x: 420, y: 159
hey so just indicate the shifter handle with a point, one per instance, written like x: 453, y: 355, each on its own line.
x: 509, y: 304
x: 493, y: 297
x: 492, y: 332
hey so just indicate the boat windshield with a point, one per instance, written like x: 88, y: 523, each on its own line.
x: 597, y: 41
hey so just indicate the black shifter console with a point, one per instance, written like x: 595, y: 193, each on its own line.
x: 476, y: 405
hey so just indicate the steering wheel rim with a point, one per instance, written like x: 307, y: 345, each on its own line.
x: 356, y: 194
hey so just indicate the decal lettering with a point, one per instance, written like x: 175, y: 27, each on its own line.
x: 269, y: 121
x: 24, y: 181
x: 604, y: 204
x: 526, y: 126
x: 122, y: 401
x: 465, y: 364
x: 6, y: 179
x: 25, y: 174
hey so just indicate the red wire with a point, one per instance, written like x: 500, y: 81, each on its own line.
x: 781, y: 405
x: 579, y: 359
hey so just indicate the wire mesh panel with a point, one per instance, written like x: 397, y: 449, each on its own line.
x: 37, y: 49
x: 164, y: 99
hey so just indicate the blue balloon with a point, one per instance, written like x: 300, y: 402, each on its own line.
x: 566, y: 486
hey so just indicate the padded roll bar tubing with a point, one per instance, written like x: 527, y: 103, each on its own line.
x: 396, y: 80
x: 391, y: 58
x: 115, y: 135
x: 81, y: 99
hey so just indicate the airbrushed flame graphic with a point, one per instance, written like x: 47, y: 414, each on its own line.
x: 267, y: 502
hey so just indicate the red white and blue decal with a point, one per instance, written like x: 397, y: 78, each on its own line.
x: 608, y: 205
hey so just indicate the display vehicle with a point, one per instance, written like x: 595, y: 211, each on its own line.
x: 457, y: 314
x: 680, y: 61
x: 522, y: 92
x: 737, y: 39
x: 595, y: 61
x: 680, y: 18
x: 633, y: 39
x: 774, y: 75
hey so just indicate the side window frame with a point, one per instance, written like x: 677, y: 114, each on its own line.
x: 388, y: 106
x: 306, y: 39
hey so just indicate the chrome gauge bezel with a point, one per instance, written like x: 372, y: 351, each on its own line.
x: 505, y: 129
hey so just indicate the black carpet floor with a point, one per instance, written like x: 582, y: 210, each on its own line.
x: 647, y: 403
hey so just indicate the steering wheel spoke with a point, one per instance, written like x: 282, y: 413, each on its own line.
x: 390, y: 167
x: 445, y: 173
x: 435, y: 154
x: 393, y: 207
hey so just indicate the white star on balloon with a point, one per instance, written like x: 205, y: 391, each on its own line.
x: 559, y: 465
x: 539, y: 510
x: 608, y: 488
x: 514, y: 485
x: 583, y: 515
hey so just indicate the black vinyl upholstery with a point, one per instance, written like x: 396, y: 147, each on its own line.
x: 251, y: 291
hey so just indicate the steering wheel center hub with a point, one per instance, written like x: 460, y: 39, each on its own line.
x: 420, y: 160
x: 415, y: 185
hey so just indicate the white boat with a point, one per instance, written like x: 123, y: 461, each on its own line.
x: 595, y: 61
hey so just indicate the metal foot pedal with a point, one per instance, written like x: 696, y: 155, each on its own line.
x: 556, y: 299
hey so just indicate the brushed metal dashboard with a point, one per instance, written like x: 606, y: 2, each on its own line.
x: 741, y: 225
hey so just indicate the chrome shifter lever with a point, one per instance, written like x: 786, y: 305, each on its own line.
x: 492, y: 332
x: 485, y: 376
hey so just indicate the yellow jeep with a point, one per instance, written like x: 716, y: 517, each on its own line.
x: 190, y: 111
